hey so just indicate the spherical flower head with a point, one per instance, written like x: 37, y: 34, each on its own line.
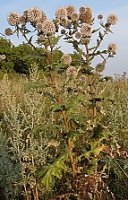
x: 39, y: 27
x: 85, y: 30
x: 86, y: 17
x: 34, y: 14
x: 66, y: 59
x: 65, y: 23
x: 61, y: 13
x: 63, y: 31
x: 57, y: 22
x: 78, y: 35
x: 82, y: 9
x: 82, y: 78
x: 8, y: 31
x: 100, y: 16
x: 43, y: 18
x: 23, y: 20
x: 13, y: 18
x: 100, y: 67
x: 74, y: 17
x: 112, y: 48
x: 70, y: 10
x: 85, y: 40
x: 112, y: 19
x: 2, y: 57
x: 41, y: 38
x: 48, y: 27
x: 71, y: 72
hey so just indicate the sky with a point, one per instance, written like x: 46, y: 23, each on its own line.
x: 116, y: 65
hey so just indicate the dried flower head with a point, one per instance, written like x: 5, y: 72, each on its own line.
x: 13, y: 18
x: 100, y: 16
x: 82, y: 9
x: 61, y: 13
x: 112, y: 48
x: 43, y: 18
x: 23, y: 20
x: 57, y: 21
x: 85, y: 30
x: 112, y: 19
x: 100, y: 67
x: 82, y: 78
x: 39, y: 27
x: 48, y: 27
x: 85, y: 40
x: 41, y: 38
x: 70, y: 10
x: 8, y: 31
x: 78, y: 35
x: 34, y: 14
x: 63, y: 31
x: 67, y: 59
x: 71, y: 72
x: 65, y: 23
x: 2, y: 57
x: 86, y: 17
x: 74, y: 17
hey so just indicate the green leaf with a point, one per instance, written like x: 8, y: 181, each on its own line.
x: 55, y: 40
x: 55, y: 170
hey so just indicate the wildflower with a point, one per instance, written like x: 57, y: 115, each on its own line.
x: 42, y: 19
x: 112, y: 48
x: 13, y: 18
x: 74, y: 17
x: 70, y: 10
x: 48, y: 27
x: 86, y: 17
x: 61, y: 13
x: 85, y: 30
x: 82, y: 9
x: 85, y: 40
x: 34, y: 14
x: 100, y: 67
x: 112, y: 19
x: 65, y: 23
x: 39, y: 26
x: 57, y: 22
x: 23, y: 20
x: 107, y: 26
x: 71, y: 72
x: 66, y: 59
x: 41, y: 38
x: 63, y: 31
x: 82, y: 78
x: 78, y: 35
x: 2, y: 57
x: 8, y: 31
x: 100, y: 17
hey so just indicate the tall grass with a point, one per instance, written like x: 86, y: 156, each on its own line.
x: 24, y: 137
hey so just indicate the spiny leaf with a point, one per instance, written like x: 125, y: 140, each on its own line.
x: 53, y: 171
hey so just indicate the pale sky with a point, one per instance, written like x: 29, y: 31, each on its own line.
x: 119, y: 64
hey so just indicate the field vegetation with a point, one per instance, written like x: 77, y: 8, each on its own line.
x: 63, y: 124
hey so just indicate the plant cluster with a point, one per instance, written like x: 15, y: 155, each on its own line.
x: 57, y: 127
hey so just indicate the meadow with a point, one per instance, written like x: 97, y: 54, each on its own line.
x: 63, y: 123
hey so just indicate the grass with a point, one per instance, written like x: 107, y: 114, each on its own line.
x: 24, y: 136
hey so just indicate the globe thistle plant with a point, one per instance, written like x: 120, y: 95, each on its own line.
x: 13, y: 18
x: 48, y: 27
x: 66, y: 59
x: 112, y: 48
x: 8, y: 31
x: 112, y: 19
